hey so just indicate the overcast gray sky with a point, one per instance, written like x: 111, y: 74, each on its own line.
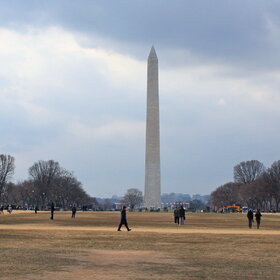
x: 73, y: 88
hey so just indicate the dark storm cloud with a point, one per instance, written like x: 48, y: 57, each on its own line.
x: 232, y: 31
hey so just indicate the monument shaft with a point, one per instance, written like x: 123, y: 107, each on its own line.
x: 152, y: 164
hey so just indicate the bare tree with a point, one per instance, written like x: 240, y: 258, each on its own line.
x: 45, y: 171
x: 7, y: 168
x: 54, y: 183
x: 133, y: 197
x: 69, y: 191
x: 254, y: 194
x: 226, y: 195
x: 248, y: 171
x: 44, y: 174
x: 272, y: 178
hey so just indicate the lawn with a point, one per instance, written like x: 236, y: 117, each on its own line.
x: 208, y: 246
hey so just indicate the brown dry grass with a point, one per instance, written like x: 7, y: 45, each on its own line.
x: 208, y: 246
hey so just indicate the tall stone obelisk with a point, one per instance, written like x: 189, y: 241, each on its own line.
x: 152, y: 167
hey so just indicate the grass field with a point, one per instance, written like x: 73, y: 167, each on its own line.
x: 208, y: 246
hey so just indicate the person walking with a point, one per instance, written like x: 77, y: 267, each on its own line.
x: 10, y: 209
x: 258, y: 218
x: 2, y: 209
x: 250, y: 217
x: 182, y: 216
x: 52, y: 210
x: 36, y: 209
x: 123, y: 220
x: 74, y: 210
x: 176, y: 215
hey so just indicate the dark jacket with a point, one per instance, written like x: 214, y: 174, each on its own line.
x: 52, y: 207
x: 258, y: 215
x: 182, y: 212
x: 123, y: 215
x: 250, y: 215
x: 176, y: 213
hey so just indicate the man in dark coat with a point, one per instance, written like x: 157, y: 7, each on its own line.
x: 123, y: 220
x: 258, y: 218
x: 250, y: 217
x: 52, y: 210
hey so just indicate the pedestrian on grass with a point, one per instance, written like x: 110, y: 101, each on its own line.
x: 123, y: 220
x: 182, y: 216
x: 250, y: 217
x: 176, y: 215
x: 74, y: 210
x: 10, y: 209
x: 2, y: 209
x: 258, y: 218
x: 36, y: 209
x: 52, y: 210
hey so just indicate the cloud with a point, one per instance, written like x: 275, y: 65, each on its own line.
x: 59, y: 96
x: 73, y: 88
x: 121, y: 130
x: 235, y: 32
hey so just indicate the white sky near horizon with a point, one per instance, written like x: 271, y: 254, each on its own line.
x: 73, y: 88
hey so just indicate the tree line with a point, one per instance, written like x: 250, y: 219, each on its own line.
x: 48, y: 182
x: 254, y: 186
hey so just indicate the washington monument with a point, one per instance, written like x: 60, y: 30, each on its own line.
x: 152, y: 164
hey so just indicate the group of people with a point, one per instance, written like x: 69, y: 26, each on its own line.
x: 250, y: 216
x: 73, y: 210
x: 179, y: 215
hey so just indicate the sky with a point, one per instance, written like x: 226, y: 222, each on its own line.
x: 73, y: 88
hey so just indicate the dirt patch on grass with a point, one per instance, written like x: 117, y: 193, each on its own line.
x: 112, y: 264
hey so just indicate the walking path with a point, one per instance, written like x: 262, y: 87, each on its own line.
x: 179, y: 230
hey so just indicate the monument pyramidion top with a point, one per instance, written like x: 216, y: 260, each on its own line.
x: 152, y: 55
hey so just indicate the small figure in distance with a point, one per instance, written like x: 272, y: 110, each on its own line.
x: 182, y: 216
x: 74, y: 210
x: 52, y: 211
x: 176, y: 215
x: 36, y: 209
x: 123, y: 220
x: 9, y: 209
x: 258, y: 218
x: 2, y: 209
x: 250, y: 217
